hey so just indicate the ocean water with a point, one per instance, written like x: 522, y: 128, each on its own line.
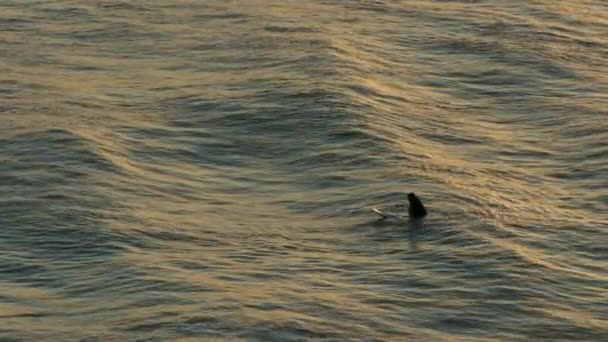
x: 204, y: 170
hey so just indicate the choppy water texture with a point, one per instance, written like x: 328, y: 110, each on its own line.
x: 183, y: 170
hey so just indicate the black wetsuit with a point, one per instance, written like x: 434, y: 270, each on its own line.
x: 416, y: 208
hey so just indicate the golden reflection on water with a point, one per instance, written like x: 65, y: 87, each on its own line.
x: 221, y: 159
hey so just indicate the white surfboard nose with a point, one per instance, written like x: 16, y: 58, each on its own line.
x: 385, y: 215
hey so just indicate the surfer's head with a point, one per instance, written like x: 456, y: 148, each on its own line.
x: 416, y: 208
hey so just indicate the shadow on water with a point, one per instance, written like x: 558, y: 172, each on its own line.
x: 402, y: 229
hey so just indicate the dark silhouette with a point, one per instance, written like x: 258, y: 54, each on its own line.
x: 416, y: 209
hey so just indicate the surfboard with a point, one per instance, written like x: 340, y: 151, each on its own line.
x: 385, y: 215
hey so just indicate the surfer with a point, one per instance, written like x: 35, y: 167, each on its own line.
x: 415, y: 210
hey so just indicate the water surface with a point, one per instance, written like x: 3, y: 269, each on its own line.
x: 182, y: 170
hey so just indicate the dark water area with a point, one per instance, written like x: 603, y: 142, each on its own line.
x: 202, y: 170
